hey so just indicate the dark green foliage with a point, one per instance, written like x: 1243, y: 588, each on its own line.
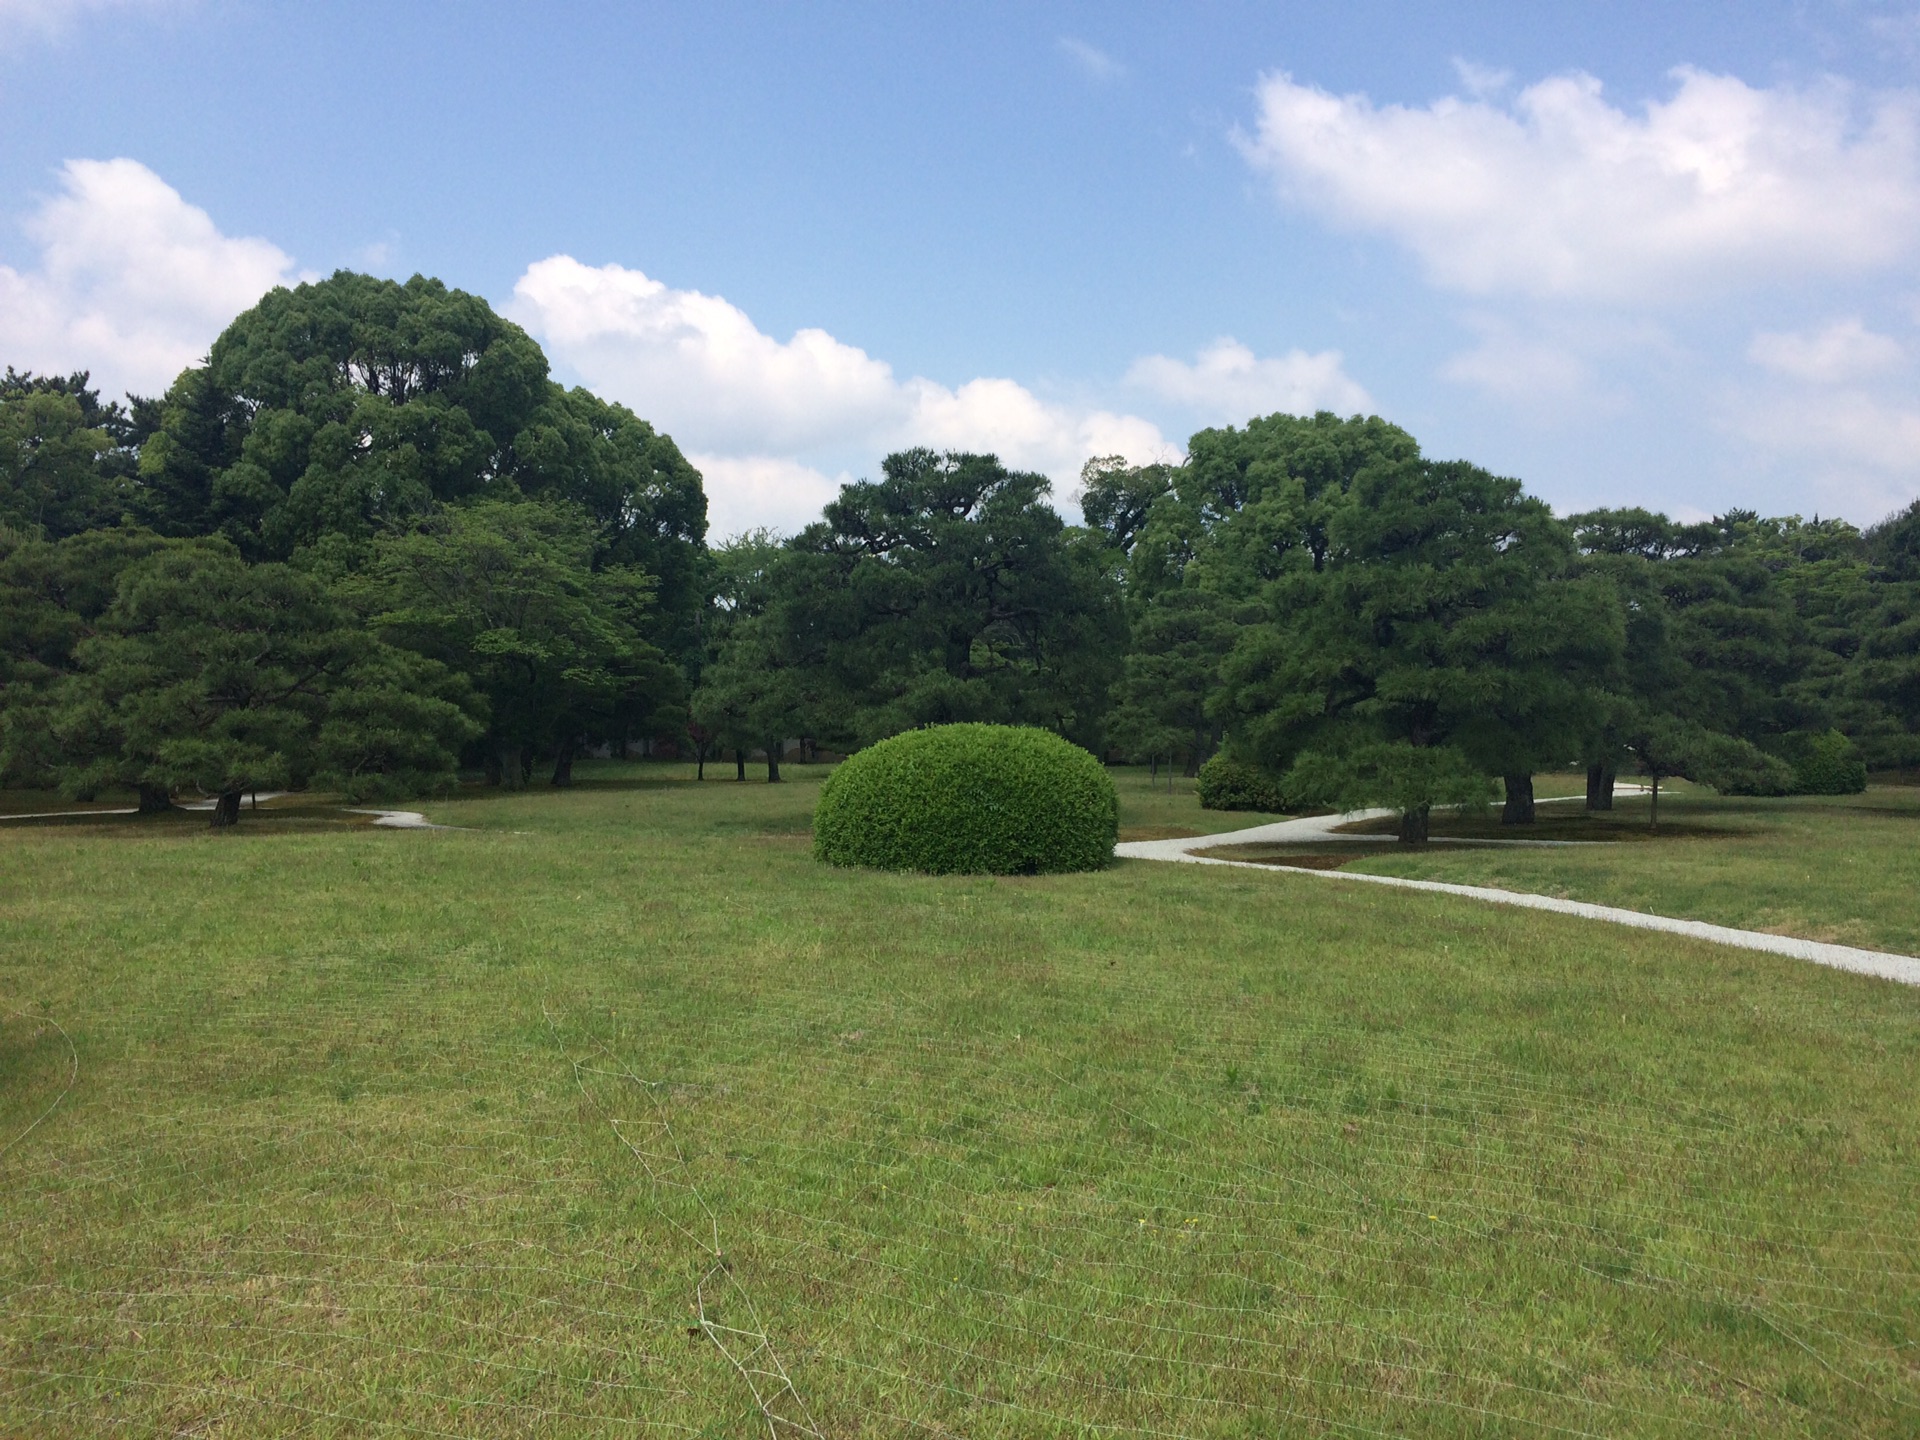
x: 1402, y: 776
x: 51, y: 480
x: 1824, y: 763
x: 950, y: 591
x: 505, y: 593
x: 634, y: 483
x: 1736, y: 767
x: 395, y: 462
x: 52, y: 597
x: 757, y: 693
x: 342, y: 409
x: 210, y: 674
x: 1424, y: 607
x: 1665, y: 745
x: 1116, y: 497
x: 1180, y: 636
x: 969, y: 799
x: 338, y: 407
x: 1229, y: 784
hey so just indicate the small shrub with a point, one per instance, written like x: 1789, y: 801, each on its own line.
x: 1824, y: 763
x: 1229, y: 784
x: 969, y: 799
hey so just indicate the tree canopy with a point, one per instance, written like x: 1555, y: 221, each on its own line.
x: 439, y: 557
x: 435, y: 552
x: 210, y: 673
x: 948, y: 590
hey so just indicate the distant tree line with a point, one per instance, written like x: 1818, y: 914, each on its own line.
x: 1315, y: 600
x: 370, y: 543
x: 1368, y: 626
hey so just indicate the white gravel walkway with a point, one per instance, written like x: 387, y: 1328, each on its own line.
x: 402, y: 820
x: 1320, y: 829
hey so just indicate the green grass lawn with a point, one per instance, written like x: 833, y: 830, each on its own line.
x: 366, y: 1132
x: 1838, y: 868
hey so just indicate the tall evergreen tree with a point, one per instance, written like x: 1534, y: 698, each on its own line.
x: 949, y: 590
x: 211, y: 674
x: 506, y: 593
x: 1438, y: 611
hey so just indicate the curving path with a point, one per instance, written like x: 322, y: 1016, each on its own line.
x: 401, y: 820
x: 1320, y: 829
x: 386, y: 819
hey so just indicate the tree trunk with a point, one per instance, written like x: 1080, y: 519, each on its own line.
x: 773, y: 761
x: 1413, y: 825
x: 1599, y: 787
x: 154, y: 799
x: 1519, y: 807
x: 563, y: 762
x: 508, y: 760
x: 739, y: 763
x: 526, y: 764
x: 226, y: 810
x: 700, y: 763
x: 960, y: 655
x: 1653, y: 819
x: 1153, y: 771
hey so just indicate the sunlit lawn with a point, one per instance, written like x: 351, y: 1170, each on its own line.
x: 1839, y: 868
x: 378, y: 1132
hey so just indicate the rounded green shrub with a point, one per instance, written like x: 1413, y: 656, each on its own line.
x: 969, y: 799
x: 1228, y: 784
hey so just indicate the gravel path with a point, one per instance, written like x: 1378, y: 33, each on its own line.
x: 1320, y: 829
x: 387, y: 819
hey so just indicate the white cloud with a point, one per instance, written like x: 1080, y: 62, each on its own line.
x: 1093, y: 61
x: 699, y: 364
x: 1226, y: 383
x: 1845, y: 350
x: 748, y: 492
x: 772, y: 418
x: 1850, y: 452
x: 1561, y: 194
x: 132, y: 282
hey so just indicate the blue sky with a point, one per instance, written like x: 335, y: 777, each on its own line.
x: 1648, y: 254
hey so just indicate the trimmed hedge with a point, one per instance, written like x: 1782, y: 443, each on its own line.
x: 969, y: 799
x: 1228, y: 784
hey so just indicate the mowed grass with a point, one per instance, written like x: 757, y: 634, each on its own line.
x: 368, y: 1132
x: 1841, y: 868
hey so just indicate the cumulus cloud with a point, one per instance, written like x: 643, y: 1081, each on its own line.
x: 775, y: 417
x: 749, y: 492
x: 132, y: 282
x: 699, y: 363
x: 1845, y: 350
x: 1226, y: 382
x: 1561, y: 194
